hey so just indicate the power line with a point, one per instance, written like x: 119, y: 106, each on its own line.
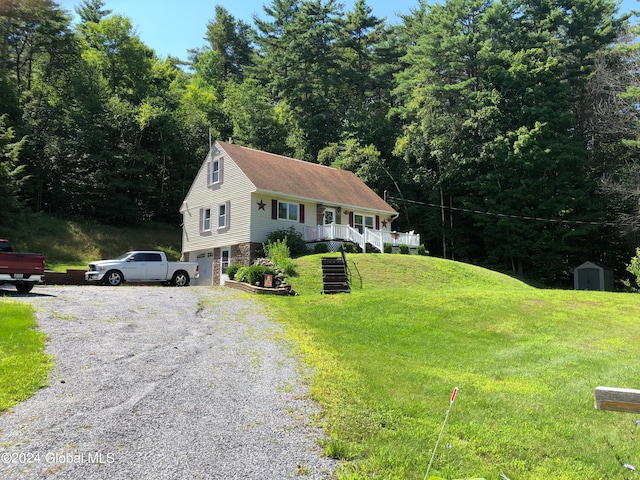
x: 507, y: 215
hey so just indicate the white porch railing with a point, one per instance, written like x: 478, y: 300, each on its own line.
x: 376, y: 238
x: 396, y: 238
x: 333, y: 231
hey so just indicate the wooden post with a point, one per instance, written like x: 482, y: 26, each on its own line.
x: 617, y: 399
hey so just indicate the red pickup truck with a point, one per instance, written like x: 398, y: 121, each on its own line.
x: 23, y: 270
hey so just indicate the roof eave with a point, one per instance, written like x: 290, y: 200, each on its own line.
x: 325, y: 202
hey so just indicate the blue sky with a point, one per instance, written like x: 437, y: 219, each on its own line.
x: 171, y: 28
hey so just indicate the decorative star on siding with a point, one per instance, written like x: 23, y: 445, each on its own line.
x: 261, y: 205
x: 384, y: 223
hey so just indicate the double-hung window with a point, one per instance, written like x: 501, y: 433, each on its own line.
x: 223, y: 215
x: 288, y: 211
x: 215, y: 171
x: 206, y: 220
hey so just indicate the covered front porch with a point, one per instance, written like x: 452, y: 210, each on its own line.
x: 346, y: 233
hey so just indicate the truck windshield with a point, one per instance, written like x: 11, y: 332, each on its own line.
x: 5, y: 246
x: 123, y: 256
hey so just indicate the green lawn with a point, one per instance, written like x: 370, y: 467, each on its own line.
x: 387, y: 357
x: 23, y: 364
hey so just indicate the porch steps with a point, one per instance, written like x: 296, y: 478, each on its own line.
x: 334, y: 276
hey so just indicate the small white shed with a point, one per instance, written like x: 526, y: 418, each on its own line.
x: 591, y: 276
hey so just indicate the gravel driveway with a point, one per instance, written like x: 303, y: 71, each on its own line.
x: 161, y: 383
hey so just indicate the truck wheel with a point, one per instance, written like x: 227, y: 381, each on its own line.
x: 180, y: 279
x: 112, y: 278
x: 24, y: 287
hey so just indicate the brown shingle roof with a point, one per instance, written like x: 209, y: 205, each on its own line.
x: 276, y: 173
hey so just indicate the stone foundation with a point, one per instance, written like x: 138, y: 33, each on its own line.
x: 241, y: 254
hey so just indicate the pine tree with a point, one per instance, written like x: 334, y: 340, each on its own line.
x: 298, y: 65
x: 231, y: 38
x: 489, y: 96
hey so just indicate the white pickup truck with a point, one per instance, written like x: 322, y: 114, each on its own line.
x: 142, y: 267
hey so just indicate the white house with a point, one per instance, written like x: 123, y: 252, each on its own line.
x: 240, y: 195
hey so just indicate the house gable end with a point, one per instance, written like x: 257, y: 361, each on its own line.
x: 216, y: 211
x: 202, y: 179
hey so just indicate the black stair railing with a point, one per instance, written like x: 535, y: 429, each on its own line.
x: 348, y: 270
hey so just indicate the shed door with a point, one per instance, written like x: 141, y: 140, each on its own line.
x: 589, y: 279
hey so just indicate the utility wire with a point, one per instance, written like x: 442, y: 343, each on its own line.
x: 507, y: 215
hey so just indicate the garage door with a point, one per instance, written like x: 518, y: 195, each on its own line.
x: 205, y: 265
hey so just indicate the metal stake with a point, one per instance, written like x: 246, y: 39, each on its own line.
x: 446, y: 417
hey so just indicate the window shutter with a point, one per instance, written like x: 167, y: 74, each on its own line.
x: 377, y: 222
x: 274, y: 209
x: 220, y: 169
x: 201, y: 218
x: 351, y: 219
x: 227, y: 210
x: 302, y: 213
x: 208, y: 174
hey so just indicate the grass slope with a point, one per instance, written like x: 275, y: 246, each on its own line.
x: 387, y: 357
x: 69, y: 243
x: 23, y: 365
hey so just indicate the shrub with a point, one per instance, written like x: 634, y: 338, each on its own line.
x: 277, y: 251
x: 288, y: 268
x: 634, y: 266
x: 387, y: 248
x: 293, y: 238
x: 404, y: 249
x: 321, y: 248
x: 232, y: 270
x: 279, y: 254
x: 253, y: 274
x: 349, y: 247
x: 241, y: 274
x: 423, y: 251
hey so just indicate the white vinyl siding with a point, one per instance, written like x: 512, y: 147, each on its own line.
x: 235, y: 189
x: 263, y: 222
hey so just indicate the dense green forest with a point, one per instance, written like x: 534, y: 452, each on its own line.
x: 505, y: 131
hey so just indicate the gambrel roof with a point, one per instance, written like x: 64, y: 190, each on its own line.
x: 279, y: 174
